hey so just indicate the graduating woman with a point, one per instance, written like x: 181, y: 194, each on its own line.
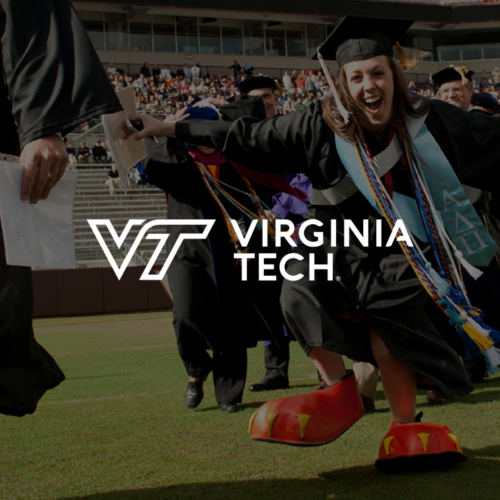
x: 375, y: 156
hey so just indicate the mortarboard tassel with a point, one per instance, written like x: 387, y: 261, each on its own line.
x: 340, y: 106
x: 462, y: 70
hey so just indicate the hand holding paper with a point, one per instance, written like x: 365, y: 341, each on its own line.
x: 126, y: 151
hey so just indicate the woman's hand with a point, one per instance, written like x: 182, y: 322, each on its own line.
x: 177, y: 117
x: 149, y: 126
x: 211, y: 100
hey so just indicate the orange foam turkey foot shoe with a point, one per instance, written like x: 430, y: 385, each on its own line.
x: 418, y: 446
x: 311, y: 419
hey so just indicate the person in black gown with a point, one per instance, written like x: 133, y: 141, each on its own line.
x: 377, y: 310
x: 213, y: 309
x: 454, y: 86
x: 53, y: 81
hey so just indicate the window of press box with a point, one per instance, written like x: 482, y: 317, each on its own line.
x: 253, y: 32
x: 187, y: 34
x: 94, y: 25
x: 275, y: 38
x: 296, y: 39
x: 316, y: 34
x: 140, y: 32
x: 232, y: 36
x: 164, y: 33
x: 209, y: 28
x: 116, y: 31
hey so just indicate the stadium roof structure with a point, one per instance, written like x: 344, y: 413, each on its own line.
x: 435, y: 11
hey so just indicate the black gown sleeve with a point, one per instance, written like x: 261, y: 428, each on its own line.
x: 169, y: 167
x: 52, y: 74
x: 471, y: 143
x: 288, y: 144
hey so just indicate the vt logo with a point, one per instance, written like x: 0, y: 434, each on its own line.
x: 119, y: 240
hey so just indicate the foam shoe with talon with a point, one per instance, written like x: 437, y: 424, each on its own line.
x: 311, y: 419
x: 418, y: 446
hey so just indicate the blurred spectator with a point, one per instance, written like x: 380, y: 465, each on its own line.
x: 145, y: 70
x: 156, y: 74
x: 195, y: 74
x: 113, y: 178
x: 289, y: 105
x: 249, y: 69
x: 495, y: 75
x: 287, y: 81
x: 109, y: 153
x: 236, y: 68
x: 83, y: 153
x: 71, y: 152
x: 165, y: 72
x: 310, y: 87
x: 429, y: 86
x: 298, y: 104
x: 112, y: 69
x: 320, y: 81
x: 99, y: 153
x: 186, y: 70
x: 301, y: 83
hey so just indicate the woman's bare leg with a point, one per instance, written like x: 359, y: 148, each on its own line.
x: 398, y: 380
x: 330, y: 364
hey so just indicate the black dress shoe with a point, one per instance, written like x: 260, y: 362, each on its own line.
x: 194, y: 394
x: 270, y: 384
x: 228, y: 407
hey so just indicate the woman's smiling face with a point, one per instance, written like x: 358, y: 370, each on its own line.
x: 371, y: 84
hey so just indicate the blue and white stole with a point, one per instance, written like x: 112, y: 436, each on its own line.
x: 452, y: 205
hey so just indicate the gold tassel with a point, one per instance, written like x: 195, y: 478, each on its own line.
x: 481, y: 341
x: 406, y: 63
x: 463, y: 70
x: 280, y: 87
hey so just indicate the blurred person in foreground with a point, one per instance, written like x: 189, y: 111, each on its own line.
x: 53, y: 81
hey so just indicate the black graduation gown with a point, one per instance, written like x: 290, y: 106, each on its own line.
x: 53, y: 81
x: 378, y: 282
x: 212, y: 307
x: 211, y: 290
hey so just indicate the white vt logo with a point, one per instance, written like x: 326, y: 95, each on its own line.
x: 94, y: 223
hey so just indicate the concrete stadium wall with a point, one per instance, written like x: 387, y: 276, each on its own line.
x: 95, y: 291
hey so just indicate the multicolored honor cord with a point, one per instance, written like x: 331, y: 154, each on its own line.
x: 445, y: 287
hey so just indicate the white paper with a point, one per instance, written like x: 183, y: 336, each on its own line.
x: 40, y: 235
x: 127, y: 153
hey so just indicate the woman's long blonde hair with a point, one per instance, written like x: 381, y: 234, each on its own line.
x: 402, y: 103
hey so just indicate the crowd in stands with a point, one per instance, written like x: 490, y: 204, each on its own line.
x: 165, y: 90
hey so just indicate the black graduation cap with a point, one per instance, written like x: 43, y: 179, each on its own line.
x: 245, y: 105
x: 451, y: 74
x: 485, y: 100
x: 257, y: 82
x: 361, y: 38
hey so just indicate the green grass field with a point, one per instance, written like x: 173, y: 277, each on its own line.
x: 117, y: 429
